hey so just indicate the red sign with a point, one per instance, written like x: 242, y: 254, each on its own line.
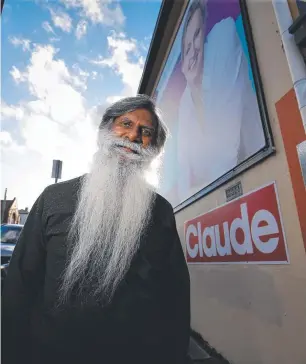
x: 246, y: 230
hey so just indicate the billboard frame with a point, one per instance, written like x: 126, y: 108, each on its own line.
x: 269, y: 148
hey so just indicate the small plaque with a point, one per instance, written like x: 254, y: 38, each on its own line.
x: 234, y: 191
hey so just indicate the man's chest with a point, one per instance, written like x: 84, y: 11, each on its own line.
x: 149, y: 264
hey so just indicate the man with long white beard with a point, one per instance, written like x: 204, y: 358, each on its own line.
x: 98, y: 274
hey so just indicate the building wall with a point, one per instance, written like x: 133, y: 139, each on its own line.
x: 294, y: 136
x: 23, y: 218
x: 255, y: 314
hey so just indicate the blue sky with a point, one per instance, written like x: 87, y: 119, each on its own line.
x: 63, y: 62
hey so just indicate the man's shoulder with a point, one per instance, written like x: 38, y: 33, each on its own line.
x: 62, y: 190
x: 163, y: 202
x: 163, y: 210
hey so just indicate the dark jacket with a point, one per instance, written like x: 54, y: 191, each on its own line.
x: 147, y: 321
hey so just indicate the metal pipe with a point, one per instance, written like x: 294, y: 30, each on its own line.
x: 4, y: 206
x: 294, y: 58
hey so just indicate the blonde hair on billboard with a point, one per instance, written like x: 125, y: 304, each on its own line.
x: 195, y: 5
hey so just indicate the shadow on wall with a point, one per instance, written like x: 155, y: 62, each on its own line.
x: 243, y: 288
x: 211, y: 355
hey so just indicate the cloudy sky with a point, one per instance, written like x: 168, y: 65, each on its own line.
x: 63, y: 62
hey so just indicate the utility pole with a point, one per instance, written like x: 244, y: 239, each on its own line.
x: 4, y: 206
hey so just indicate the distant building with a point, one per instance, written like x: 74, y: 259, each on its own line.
x: 23, y: 214
x: 9, y: 212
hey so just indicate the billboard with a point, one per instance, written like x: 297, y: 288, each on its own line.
x: 247, y: 230
x: 209, y: 96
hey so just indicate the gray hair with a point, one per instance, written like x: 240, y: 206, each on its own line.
x: 129, y: 104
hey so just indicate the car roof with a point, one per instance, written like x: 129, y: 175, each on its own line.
x: 17, y: 226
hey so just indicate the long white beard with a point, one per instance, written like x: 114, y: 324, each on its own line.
x: 113, y: 211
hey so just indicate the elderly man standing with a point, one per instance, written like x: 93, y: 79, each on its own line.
x: 98, y: 274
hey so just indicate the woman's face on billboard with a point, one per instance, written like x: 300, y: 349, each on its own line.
x: 192, y: 65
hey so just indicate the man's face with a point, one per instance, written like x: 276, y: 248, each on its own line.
x: 137, y: 126
x: 192, y: 65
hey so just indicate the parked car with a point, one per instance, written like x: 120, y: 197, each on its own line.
x: 9, y: 236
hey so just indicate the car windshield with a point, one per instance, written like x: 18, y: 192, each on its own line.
x: 10, y: 234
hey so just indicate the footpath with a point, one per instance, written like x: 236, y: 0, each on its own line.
x: 200, y: 352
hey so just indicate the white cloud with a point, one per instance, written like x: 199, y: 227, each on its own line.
x: 98, y: 11
x: 11, y: 111
x: 145, y: 45
x: 80, y: 78
x: 54, y: 124
x: 55, y: 121
x: 17, y: 75
x: 54, y: 39
x: 5, y: 138
x: 7, y: 143
x: 20, y: 42
x: 81, y: 29
x: 53, y: 85
x: 112, y: 99
x: 61, y: 20
x: 47, y: 27
x: 120, y: 49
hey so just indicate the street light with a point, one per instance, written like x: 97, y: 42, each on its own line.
x: 57, y: 169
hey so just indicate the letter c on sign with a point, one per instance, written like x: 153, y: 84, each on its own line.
x: 193, y: 252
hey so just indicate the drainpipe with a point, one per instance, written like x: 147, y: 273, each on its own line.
x: 295, y: 60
